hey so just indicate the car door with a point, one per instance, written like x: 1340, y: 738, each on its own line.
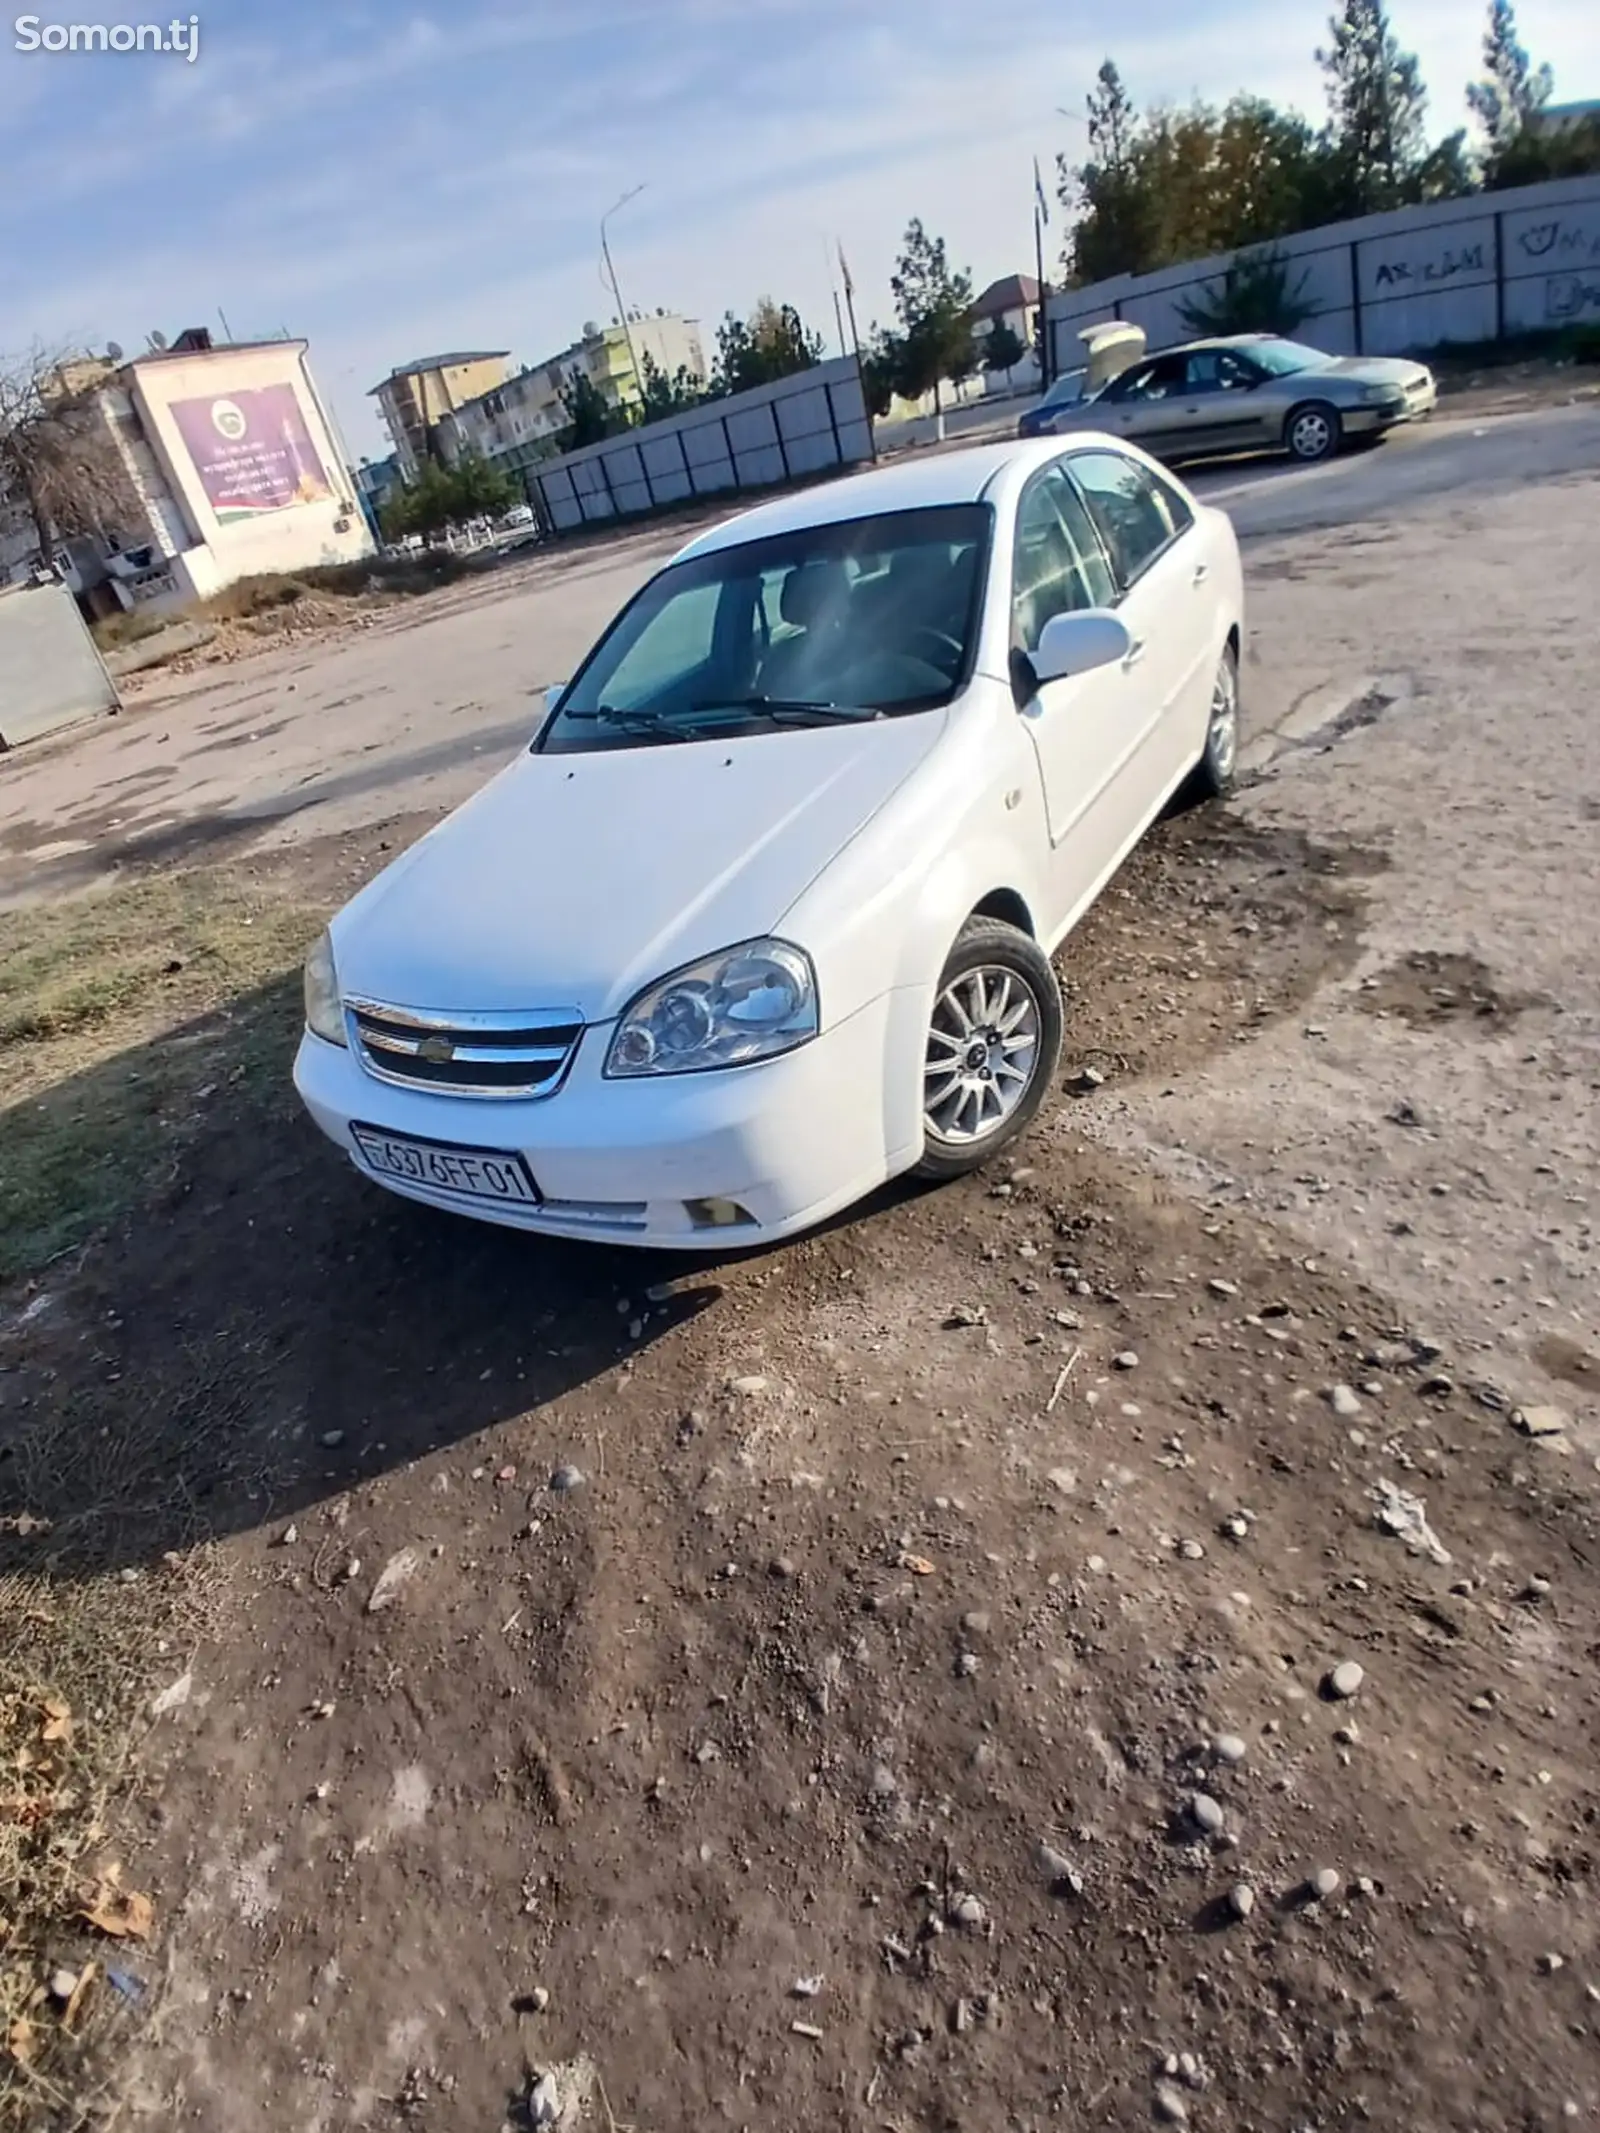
x: 1079, y: 726
x: 1144, y: 403
x: 1214, y: 413
x: 1162, y: 573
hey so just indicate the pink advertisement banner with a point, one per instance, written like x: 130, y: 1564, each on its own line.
x: 252, y: 452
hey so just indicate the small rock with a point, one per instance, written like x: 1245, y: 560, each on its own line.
x: 350, y: 1569
x: 884, y: 1783
x: 1170, y: 2107
x: 782, y: 1568
x: 1191, y: 1550
x: 1324, y: 1883
x: 567, y: 1478
x: 1206, y: 1813
x: 1344, y: 1401
x: 288, y: 1537
x: 976, y: 1622
x: 539, y: 1999
x: 331, y: 1439
x: 1541, y: 1421
x: 1127, y: 1360
x: 1550, y: 1964
x: 544, y: 2102
x: 1229, y: 1748
x: 806, y: 1988
x: 1059, y: 1870
x: 1537, y: 1588
x: 968, y: 1911
x: 1236, y: 1528
x: 63, y: 1984
x: 968, y: 1664
x: 752, y: 1387
x: 1241, y: 1899
x: 965, y: 1315
x: 1345, y: 1680
x: 1219, y: 1287
x: 394, y: 1576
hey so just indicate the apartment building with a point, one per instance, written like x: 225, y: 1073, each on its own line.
x: 414, y: 399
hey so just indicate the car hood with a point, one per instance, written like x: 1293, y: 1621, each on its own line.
x: 1373, y: 370
x: 571, y: 881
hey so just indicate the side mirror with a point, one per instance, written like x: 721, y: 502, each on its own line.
x: 552, y: 696
x: 1080, y: 643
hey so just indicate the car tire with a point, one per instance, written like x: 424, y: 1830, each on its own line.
x: 1312, y: 432
x: 973, y: 1108
x: 1212, y: 777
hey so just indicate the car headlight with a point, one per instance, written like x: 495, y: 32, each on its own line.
x: 1381, y: 395
x: 747, y: 1003
x: 324, y: 1008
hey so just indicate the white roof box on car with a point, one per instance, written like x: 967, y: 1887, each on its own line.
x: 1109, y: 348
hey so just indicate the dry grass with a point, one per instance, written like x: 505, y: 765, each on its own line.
x: 121, y: 1020
x: 125, y: 1023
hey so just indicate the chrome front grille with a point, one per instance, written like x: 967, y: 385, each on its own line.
x: 506, y: 1055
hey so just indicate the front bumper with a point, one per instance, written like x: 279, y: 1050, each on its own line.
x: 789, y: 1141
x: 1408, y: 406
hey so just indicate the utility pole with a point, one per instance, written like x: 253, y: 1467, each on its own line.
x: 611, y: 277
x: 850, y: 304
x: 1041, y: 215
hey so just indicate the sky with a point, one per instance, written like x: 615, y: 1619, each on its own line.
x: 394, y: 181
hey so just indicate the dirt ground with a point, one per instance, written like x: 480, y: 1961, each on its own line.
x: 889, y: 1683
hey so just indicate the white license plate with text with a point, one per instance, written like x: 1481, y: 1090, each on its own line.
x: 469, y: 1173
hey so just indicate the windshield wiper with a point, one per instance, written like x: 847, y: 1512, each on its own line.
x: 792, y: 710
x: 642, y: 721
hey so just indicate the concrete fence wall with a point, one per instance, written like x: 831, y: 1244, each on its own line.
x: 51, y: 672
x: 808, y: 424
x: 1479, y: 269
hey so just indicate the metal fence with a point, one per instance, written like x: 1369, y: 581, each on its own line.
x: 1476, y: 269
x: 51, y: 672
x: 797, y: 428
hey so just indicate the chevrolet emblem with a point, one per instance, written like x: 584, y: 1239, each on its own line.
x: 438, y: 1051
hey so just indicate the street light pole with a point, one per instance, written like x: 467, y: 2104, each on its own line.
x: 611, y: 277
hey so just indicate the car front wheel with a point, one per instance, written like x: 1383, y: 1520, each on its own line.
x: 1213, y: 774
x: 993, y: 1043
x: 1312, y: 432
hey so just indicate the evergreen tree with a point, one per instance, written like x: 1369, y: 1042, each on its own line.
x: 1376, y: 104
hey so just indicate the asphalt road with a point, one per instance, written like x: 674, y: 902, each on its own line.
x: 411, y: 714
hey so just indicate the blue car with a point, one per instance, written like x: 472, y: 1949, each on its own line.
x: 1067, y: 392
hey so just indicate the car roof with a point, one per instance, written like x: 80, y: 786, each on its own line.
x: 919, y: 482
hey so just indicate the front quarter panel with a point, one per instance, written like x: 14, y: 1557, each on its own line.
x: 882, y: 918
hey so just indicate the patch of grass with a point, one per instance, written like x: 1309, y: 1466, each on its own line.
x: 121, y: 1020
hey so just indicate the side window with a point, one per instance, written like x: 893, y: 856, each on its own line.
x: 1138, y: 514
x: 1058, y: 566
x: 1205, y: 371
x: 1235, y: 374
x: 1155, y: 380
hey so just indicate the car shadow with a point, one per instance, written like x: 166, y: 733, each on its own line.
x: 256, y: 1327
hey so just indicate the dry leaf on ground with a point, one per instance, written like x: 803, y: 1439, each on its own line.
x: 122, y: 1913
x: 57, y: 1715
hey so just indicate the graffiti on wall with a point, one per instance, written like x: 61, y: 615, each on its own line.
x: 1570, y: 296
x: 1561, y: 241
x: 1439, y: 264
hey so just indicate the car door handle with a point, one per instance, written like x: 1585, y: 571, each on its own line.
x: 1202, y: 571
x: 1134, y: 654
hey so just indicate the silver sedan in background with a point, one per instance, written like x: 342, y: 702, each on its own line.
x: 1251, y: 393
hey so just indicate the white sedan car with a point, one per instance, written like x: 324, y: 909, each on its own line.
x: 764, y: 914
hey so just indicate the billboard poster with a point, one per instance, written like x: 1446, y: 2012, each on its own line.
x: 252, y: 452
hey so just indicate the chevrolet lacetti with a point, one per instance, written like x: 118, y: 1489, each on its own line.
x: 764, y: 914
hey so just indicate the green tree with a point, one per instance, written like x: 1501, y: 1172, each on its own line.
x: 1003, y: 348
x: 1108, y: 209
x: 1259, y: 292
x: 772, y: 343
x: 1376, y: 105
x: 934, y: 305
x: 445, y: 496
x: 665, y: 395
x: 880, y: 370
x: 1511, y: 92
x: 591, y: 417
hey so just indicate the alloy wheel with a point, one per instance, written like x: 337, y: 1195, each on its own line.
x: 983, y: 1050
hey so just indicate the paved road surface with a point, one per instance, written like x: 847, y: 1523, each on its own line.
x: 413, y: 713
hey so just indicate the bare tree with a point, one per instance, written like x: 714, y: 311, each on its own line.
x: 58, y: 460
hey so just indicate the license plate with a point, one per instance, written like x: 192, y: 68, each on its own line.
x: 469, y: 1173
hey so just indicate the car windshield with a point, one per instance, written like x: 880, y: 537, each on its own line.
x: 1069, y: 387
x: 860, y: 619
x: 1283, y: 358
